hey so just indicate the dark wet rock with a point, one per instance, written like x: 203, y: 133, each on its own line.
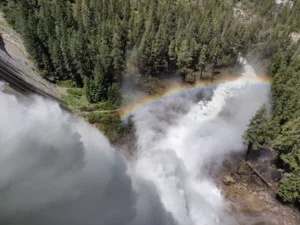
x: 276, y: 175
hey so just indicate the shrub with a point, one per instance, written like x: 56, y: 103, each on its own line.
x: 76, y: 92
x: 66, y: 83
x: 289, y: 190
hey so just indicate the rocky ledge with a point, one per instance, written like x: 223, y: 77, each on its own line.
x: 251, y: 201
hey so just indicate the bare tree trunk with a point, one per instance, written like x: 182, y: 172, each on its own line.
x: 201, y: 72
x: 213, y: 72
x: 214, y: 67
x: 248, y: 151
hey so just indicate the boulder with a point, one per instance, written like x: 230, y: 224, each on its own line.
x: 228, y: 180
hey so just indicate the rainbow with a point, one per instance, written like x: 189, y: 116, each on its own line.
x: 132, y: 108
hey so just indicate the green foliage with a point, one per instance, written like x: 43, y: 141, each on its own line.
x: 145, y: 56
x: 66, y: 83
x: 87, y: 40
x: 101, y: 106
x: 202, y: 58
x: 87, y: 89
x: 114, y: 95
x: 109, y: 123
x: 289, y: 190
x: 184, y: 57
x: 11, y: 13
x: 76, y: 92
x: 288, y: 142
x: 104, y: 115
x: 72, y: 101
x: 98, y: 91
x: 258, y: 132
x: 66, y: 37
x: 284, y: 67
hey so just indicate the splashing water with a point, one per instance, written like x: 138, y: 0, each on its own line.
x: 56, y: 169
x: 177, y: 157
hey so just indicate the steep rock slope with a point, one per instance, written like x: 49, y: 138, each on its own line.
x: 16, y: 70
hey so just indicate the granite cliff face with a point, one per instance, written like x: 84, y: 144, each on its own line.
x: 16, y: 69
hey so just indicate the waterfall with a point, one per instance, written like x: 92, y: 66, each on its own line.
x: 57, y: 169
x: 178, y: 159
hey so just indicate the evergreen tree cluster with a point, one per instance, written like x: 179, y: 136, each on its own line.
x: 186, y: 35
x: 286, y: 113
x: 82, y: 40
x: 88, y: 40
x: 280, y: 129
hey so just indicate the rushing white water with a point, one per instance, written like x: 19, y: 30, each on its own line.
x: 179, y: 157
x: 56, y: 169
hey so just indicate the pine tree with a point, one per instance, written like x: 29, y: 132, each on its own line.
x: 257, y: 133
x: 184, y: 57
x: 58, y: 61
x: 289, y: 190
x: 202, y: 59
x: 114, y: 95
x: 85, y: 14
x: 99, y: 84
x: 160, y: 51
x: 87, y: 89
x: 172, y: 55
x: 126, y: 10
x: 138, y: 28
x: 78, y: 13
x: 145, y: 56
x: 118, y: 53
x: 288, y: 142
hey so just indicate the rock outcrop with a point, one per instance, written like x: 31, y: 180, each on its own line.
x: 19, y: 74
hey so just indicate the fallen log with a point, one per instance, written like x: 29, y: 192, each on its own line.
x: 270, y: 185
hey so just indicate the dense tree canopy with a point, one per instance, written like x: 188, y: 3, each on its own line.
x: 258, y: 129
x: 283, y: 131
x: 75, y: 39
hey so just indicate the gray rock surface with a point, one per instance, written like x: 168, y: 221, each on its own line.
x: 15, y: 67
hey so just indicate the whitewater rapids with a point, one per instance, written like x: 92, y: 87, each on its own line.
x: 180, y: 155
x: 57, y: 170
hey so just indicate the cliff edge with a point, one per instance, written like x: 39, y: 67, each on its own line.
x: 17, y: 71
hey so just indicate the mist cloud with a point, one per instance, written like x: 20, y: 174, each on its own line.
x: 56, y: 169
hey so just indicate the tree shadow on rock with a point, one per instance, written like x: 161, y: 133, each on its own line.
x: 2, y: 46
